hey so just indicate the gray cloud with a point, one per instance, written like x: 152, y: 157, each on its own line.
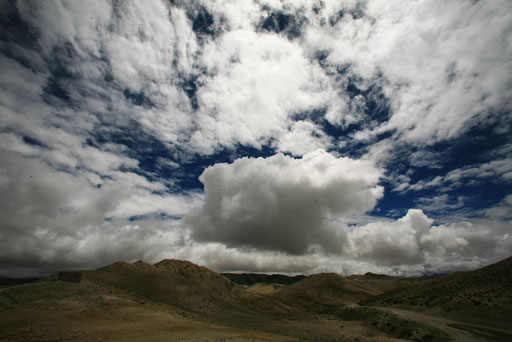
x: 391, y: 243
x: 414, y: 240
x: 284, y: 204
x: 411, y: 245
x: 55, y: 219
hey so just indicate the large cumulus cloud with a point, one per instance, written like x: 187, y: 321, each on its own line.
x: 284, y: 204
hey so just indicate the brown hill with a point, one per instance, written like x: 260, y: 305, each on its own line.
x: 264, y: 289
x: 377, y: 284
x: 483, y: 295
x: 326, y: 289
x: 179, y: 283
x: 200, y: 275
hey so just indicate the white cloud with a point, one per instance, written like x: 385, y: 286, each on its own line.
x: 259, y: 81
x: 444, y: 58
x: 239, y: 15
x: 424, y: 57
x: 442, y: 71
x: 303, y: 137
x: 144, y: 49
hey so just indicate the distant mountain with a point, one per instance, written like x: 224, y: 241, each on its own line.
x: 253, y: 278
x: 16, y: 281
x: 377, y: 276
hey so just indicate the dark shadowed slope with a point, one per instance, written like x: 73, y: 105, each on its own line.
x: 483, y: 295
x: 253, y: 278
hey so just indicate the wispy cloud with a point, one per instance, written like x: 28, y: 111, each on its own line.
x: 496, y: 170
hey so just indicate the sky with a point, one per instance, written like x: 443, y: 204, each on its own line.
x: 272, y: 136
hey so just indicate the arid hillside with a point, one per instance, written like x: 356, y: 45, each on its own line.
x: 480, y: 296
x: 325, y: 289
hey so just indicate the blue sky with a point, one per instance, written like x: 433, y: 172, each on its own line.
x: 259, y: 136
